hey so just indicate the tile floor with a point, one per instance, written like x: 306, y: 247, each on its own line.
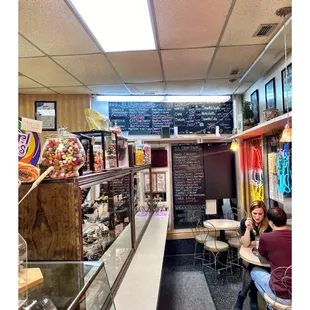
x: 185, y: 286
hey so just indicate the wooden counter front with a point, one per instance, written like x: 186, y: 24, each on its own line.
x: 50, y: 221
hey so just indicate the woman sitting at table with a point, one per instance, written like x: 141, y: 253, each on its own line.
x: 250, y: 227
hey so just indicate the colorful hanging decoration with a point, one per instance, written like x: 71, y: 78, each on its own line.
x: 284, y: 170
x: 256, y: 174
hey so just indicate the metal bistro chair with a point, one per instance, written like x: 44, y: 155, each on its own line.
x: 285, y: 274
x: 200, y: 235
x: 216, y: 247
x: 233, y: 237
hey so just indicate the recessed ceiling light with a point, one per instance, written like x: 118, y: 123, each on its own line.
x: 118, y: 25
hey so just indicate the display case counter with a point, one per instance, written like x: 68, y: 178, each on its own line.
x: 71, y: 285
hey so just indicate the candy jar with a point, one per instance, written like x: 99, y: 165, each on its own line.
x: 139, y: 154
x: 98, y: 158
x: 147, y: 153
x: 64, y: 152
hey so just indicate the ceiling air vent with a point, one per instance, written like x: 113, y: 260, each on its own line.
x: 235, y: 71
x: 264, y: 30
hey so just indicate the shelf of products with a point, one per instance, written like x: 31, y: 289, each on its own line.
x: 266, y: 127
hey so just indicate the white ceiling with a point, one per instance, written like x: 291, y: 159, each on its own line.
x: 198, y: 43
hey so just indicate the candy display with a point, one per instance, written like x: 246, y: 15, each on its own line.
x: 147, y: 153
x: 139, y: 157
x: 98, y: 158
x: 64, y: 152
x: 27, y: 172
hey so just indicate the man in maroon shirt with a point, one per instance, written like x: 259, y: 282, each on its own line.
x: 276, y: 246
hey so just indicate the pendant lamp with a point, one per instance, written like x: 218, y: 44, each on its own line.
x: 287, y: 131
x: 234, y: 145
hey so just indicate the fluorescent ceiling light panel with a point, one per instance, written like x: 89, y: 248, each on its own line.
x: 131, y: 98
x: 206, y: 99
x: 118, y: 25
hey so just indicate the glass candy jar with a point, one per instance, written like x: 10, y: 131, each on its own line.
x: 139, y: 154
x: 64, y: 152
x: 98, y: 158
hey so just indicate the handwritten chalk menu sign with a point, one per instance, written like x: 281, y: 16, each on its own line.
x: 141, y: 118
x: 188, y: 181
x: 202, y: 117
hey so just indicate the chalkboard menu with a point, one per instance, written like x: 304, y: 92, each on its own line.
x: 142, y: 118
x: 147, y: 118
x: 203, y: 118
x: 188, y: 181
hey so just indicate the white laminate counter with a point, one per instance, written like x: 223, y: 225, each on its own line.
x: 140, y: 287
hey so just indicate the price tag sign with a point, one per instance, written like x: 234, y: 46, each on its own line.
x: 200, y: 140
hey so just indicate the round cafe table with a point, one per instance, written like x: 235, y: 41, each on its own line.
x: 247, y: 255
x: 222, y: 225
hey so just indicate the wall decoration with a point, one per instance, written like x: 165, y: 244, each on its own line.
x: 270, y: 93
x: 287, y: 97
x: 45, y: 111
x: 255, y: 106
x: 29, y: 146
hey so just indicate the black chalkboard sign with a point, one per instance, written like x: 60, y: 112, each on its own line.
x: 140, y: 118
x: 188, y: 181
x: 203, y: 118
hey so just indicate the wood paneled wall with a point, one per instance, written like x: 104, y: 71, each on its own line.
x: 70, y: 109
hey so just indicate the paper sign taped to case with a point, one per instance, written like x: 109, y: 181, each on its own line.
x: 211, y: 206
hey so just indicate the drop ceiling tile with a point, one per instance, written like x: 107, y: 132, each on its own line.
x: 184, y: 87
x: 247, y: 16
x: 89, y: 69
x: 24, y: 82
x: 72, y: 90
x: 26, y: 49
x: 219, y: 87
x: 186, y: 64
x: 137, y: 67
x: 118, y: 89
x: 147, y: 88
x: 242, y: 88
x: 46, y: 72
x: 53, y: 28
x: 34, y: 91
x: 272, y: 53
x: 233, y: 57
x: 183, y: 24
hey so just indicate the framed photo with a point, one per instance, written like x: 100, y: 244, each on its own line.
x: 45, y: 111
x: 270, y: 93
x: 287, y: 97
x: 255, y: 106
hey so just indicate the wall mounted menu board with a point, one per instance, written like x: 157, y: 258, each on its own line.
x: 193, y: 117
x: 140, y: 118
x: 188, y: 182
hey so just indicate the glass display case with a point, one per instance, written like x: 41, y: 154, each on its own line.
x: 71, y: 285
x: 122, y: 151
x: 92, y: 140
x: 279, y: 161
x: 142, y: 203
x: 22, y: 271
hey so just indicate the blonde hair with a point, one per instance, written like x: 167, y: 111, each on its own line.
x: 256, y: 204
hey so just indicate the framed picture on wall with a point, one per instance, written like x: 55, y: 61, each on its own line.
x: 287, y: 93
x: 45, y: 111
x: 255, y: 106
x: 270, y: 93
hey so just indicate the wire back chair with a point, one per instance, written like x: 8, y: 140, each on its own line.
x: 216, y: 247
x: 284, y: 276
x: 200, y: 234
